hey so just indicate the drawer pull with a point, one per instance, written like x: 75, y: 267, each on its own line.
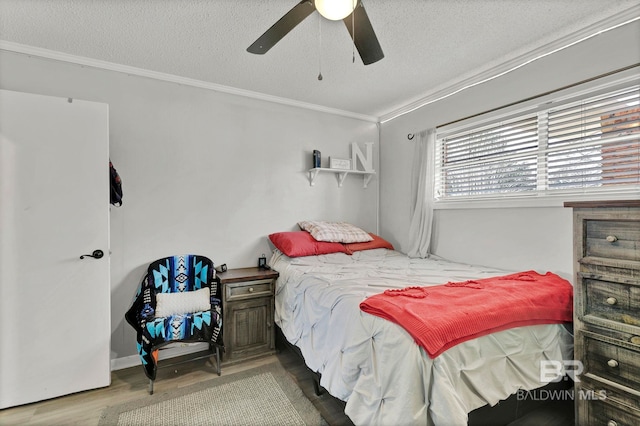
x: 612, y: 363
x: 612, y: 423
x: 250, y: 289
x: 612, y: 300
x: 612, y: 238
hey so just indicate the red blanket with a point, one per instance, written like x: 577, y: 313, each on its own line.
x: 442, y: 316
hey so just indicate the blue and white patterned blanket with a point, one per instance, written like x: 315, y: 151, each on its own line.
x: 172, y: 275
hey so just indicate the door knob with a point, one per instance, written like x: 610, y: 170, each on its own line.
x: 97, y: 254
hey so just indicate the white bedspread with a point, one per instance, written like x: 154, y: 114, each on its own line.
x: 375, y: 366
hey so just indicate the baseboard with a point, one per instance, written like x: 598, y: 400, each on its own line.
x: 170, y: 351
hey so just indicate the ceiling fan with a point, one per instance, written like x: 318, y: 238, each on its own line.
x: 351, y: 12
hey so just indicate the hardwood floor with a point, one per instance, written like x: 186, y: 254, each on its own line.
x: 85, y: 408
x: 332, y: 409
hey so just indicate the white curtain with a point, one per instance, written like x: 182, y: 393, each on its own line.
x: 422, y: 178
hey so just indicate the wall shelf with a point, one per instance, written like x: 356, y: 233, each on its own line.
x: 341, y: 175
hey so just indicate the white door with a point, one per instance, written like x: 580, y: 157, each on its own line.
x: 54, y: 207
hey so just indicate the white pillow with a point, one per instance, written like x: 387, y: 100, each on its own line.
x: 185, y: 302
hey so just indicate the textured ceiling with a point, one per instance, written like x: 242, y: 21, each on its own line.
x: 427, y: 43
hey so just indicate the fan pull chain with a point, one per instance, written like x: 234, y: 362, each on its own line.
x: 353, y: 30
x: 319, y: 47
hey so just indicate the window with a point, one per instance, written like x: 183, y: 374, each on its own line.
x: 585, y: 145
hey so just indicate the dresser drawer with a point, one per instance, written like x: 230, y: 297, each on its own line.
x: 603, y: 413
x: 591, y: 388
x: 614, y: 239
x: 612, y: 301
x: 248, y: 290
x: 611, y: 362
x: 619, y: 337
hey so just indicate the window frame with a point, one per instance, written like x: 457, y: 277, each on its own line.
x: 538, y: 105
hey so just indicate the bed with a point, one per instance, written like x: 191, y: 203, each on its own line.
x: 374, y: 365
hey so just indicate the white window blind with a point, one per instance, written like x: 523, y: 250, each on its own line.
x: 586, y: 145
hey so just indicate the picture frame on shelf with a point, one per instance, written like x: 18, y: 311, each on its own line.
x: 339, y: 163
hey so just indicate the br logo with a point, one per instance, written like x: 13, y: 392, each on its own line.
x: 554, y: 371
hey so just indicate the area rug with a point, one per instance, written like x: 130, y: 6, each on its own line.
x: 264, y: 395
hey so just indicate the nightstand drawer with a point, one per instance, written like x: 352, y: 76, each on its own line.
x: 613, y: 239
x: 248, y: 290
x: 612, y: 301
x: 612, y: 362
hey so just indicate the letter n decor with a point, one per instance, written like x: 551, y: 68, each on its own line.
x: 358, y: 155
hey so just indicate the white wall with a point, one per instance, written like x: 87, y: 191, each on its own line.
x: 203, y: 172
x: 513, y: 238
x: 213, y: 173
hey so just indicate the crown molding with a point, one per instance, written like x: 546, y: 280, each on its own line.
x: 140, y: 72
x: 449, y: 89
x: 456, y: 86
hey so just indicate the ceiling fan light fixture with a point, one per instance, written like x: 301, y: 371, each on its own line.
x: 358, y: 25
x: 335, y: 10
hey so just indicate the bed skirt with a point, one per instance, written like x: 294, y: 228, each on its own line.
x: 509, y: 410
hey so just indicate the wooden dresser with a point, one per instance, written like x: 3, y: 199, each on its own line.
x: 607, y: 312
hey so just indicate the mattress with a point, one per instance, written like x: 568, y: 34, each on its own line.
x: 375, y: 365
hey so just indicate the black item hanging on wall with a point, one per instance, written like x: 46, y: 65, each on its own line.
x: 116, y: 186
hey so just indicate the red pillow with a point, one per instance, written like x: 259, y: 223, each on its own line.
x: 377, y: 242
x: 301, y: 243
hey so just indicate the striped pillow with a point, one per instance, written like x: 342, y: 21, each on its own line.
x: 335, y: 232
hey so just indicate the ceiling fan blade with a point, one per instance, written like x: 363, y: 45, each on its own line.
x: 365, y: 38
x: 282, y: 27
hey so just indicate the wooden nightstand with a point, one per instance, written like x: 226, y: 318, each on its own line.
x: 247, y: 305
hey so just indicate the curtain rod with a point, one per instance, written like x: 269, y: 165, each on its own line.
x: 539, y: 95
